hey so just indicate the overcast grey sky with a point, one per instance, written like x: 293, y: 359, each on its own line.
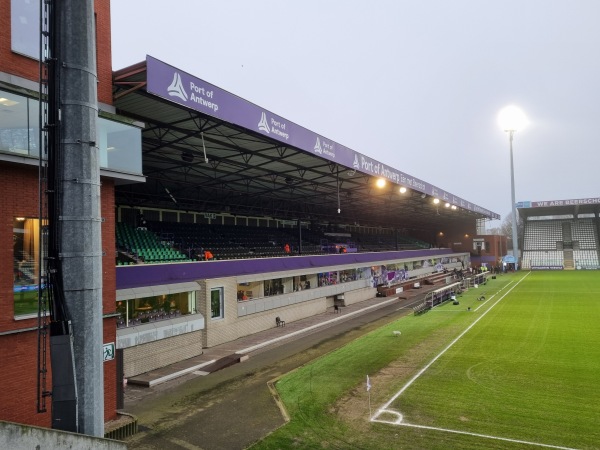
x: 416, y: 85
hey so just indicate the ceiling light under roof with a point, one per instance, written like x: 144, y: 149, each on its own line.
x: 7, y: 102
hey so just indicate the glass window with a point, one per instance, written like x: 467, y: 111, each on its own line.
x: 26, y: 265
x: 299, y: 283
x: 19, y: 131
x: 348, y: 275
x: 120, y: 146
x: 155, y: 308
x: 249, y: 291
x: 33, y: 127
x: 25, y: 27
x: 274, y: 287
x: 363, y: 273
x: 327, y: 278
x: 216, y: 303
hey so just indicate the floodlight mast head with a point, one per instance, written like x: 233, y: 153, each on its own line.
x: 512, y: 118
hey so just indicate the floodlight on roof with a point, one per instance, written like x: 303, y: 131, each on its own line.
x: 380, y: 182
x: 436, y: 200
x: 402, y: 189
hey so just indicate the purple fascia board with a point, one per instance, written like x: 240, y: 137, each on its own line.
x: 160, y: 274
x: 175, y: 85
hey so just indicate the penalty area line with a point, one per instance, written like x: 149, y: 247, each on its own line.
x: 385, y: 407
x: 486, y: 436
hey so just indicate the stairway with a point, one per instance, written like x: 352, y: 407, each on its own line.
x: 569, y: 264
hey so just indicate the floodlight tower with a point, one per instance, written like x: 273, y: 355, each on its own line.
x: 512, y: 119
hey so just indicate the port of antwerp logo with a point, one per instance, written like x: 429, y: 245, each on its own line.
x: 176, y: 88
x: 263, y: 125
x: 317, y: 147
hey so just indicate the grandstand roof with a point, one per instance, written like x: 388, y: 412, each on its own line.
x: 559, y: 207
x: 205, y: 149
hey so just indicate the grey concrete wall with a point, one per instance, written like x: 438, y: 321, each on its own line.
x: 146, y: 357
x: 359, y: 295
x: 234, y: 326
x: 15, y: 436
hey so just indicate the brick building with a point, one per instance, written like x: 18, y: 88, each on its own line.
x: 20, y: 211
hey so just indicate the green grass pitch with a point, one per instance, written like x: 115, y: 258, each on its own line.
x: 519, y: 370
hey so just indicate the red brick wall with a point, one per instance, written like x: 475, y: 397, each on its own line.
x: 103, y: 51
x: 19, y: 188
x: 28, y: 68
x: 18, y: 352
x: 109, y: 296
x: 18, y: 377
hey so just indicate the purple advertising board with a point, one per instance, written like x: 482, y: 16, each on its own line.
x: 175, y: 85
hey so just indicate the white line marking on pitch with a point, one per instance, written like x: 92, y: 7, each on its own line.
x: 435, y: 358
x: 398, y: 415
x: 516, y: 441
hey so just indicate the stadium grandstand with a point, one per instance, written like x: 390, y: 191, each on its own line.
x: 560, y: 234
x: 215, y: 218
x: 245, y: 216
